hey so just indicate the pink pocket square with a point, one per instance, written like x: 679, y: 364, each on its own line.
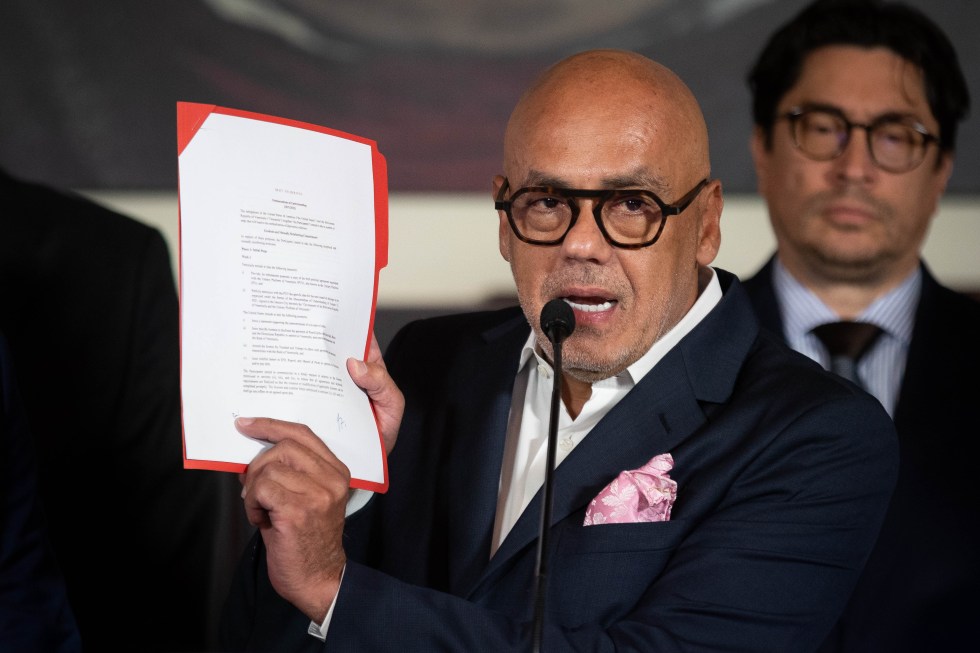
x: 637, y: 495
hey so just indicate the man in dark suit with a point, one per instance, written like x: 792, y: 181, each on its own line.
x: 89, y: 307
x: 856, y: 106
x: 34, y: 611
x: 763, y: 478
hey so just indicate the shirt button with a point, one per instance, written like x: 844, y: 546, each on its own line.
x: 544, y: 371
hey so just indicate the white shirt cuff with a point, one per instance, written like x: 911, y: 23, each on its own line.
x: 320, y: 630
x: 355, y: 501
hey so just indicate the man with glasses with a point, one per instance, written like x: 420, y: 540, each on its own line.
x: 713, y: 489
x: 856, y: 106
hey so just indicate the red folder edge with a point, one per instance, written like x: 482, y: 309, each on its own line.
x: 190, y: 117
x: 380, y: 166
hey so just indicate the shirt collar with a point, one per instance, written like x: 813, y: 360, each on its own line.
x: 802, y: 310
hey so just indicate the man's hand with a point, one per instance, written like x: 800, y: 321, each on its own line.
x: 295, y: 492
x: 386, y: 399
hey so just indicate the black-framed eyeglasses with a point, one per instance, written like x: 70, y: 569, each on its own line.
x: 628, y: 218
x: 896, y: 143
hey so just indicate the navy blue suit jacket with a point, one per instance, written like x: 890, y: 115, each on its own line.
x: 783, y: 474
x: 34, y: 611
x: 920, y: 590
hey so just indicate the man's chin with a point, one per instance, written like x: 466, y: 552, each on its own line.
x: 590, y: 369
x: 851, y: 265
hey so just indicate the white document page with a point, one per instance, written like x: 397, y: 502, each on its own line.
x: 277, y: 289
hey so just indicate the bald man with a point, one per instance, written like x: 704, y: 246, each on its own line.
x: 713, y: 489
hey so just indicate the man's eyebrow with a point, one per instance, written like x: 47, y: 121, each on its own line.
x: 819, y: 106
x: 639, y: 179
x: 536, y: 178
x: 898, y: 116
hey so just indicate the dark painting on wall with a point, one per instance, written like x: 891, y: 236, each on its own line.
x: 90, y: 89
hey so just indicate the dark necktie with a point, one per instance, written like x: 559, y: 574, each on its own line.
x: 847, y: 342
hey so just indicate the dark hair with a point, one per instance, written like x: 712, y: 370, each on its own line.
x: 865, y: 23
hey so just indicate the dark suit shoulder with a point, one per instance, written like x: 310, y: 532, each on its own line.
x: 445, y: 333
x: 944, y: 353
x: 55, y: 208
x: 946, y: 307
x: 791, y: 374
x: 440, y: 360
x: 51, y: 238
x: 466, y: 324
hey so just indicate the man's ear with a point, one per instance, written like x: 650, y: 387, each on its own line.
x: 944, y: 171
x: 941, y: 174
x: 498, y: 181
x: 709, y: 238
x: 503, y: 229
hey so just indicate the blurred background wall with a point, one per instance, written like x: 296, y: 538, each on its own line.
x: 90, y: 93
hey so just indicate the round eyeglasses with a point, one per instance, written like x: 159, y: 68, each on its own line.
x: 627, y: 218
x: 896, y: 143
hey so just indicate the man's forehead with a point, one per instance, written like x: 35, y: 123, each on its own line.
x: 864, y: 83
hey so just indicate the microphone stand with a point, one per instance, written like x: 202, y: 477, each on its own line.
x: 558, y: 322
x: 541, y: 566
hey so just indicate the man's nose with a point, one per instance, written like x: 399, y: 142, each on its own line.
x: 585, y: 240
x: 855, y: 162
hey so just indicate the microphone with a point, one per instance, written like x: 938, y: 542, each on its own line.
x: 557, y: 322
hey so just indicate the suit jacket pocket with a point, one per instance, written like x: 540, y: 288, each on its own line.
x: 605, y: 570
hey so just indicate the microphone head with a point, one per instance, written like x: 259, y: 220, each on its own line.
x: 557, y: 320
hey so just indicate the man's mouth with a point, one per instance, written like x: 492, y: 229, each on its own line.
x: 587, y: 305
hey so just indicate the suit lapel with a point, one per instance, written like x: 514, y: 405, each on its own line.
x: 763, y: 296
x: 649, y: 420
